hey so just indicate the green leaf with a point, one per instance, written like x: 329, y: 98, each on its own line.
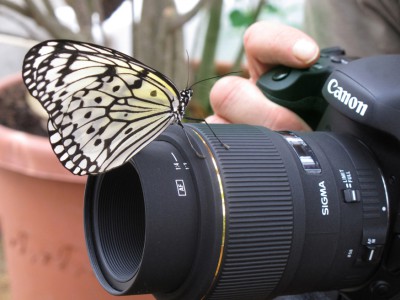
x: 273, y: 9
x: 239, y: 18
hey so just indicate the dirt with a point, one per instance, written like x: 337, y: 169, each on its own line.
x: 15, y: 112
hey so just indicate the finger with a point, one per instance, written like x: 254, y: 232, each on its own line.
x: 269, y: 44
x: 216, y: 119
x: 237, y: 100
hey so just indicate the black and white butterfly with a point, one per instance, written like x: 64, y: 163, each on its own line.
x: 103, y: 106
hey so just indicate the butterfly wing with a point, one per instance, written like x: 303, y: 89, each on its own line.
x: 103, y: 106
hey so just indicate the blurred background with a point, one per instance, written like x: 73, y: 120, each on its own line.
x: 163, y: 34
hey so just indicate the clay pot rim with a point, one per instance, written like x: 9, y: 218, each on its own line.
x: 30, y: 154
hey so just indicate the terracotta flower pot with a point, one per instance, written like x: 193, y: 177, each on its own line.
x: 41, y: 211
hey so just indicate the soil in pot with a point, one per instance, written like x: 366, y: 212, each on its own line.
x: 15, y: 112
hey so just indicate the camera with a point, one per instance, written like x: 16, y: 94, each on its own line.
x: 277, y: 213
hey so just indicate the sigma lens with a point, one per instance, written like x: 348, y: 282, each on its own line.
x: 278, y: 213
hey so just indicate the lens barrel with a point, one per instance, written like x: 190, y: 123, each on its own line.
x: 277, y: 213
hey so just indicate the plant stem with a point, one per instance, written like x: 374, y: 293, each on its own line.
x: 207, y: 63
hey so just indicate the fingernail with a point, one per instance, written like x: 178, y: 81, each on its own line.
x: 305, y: 50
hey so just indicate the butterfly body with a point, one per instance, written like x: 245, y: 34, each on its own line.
x: 103, y: 106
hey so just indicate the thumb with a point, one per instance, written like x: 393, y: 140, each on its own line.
x: 268, y: 44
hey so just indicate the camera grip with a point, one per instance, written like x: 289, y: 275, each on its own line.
x: 300, y: 89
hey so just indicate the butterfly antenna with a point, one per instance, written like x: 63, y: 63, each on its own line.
x: 226, y: 146
x: 188, y: 69
x: 215, y: 77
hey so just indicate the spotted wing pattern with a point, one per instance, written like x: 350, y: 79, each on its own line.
x: 103, y: 105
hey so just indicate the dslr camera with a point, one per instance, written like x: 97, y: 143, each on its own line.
x: 279, y: 212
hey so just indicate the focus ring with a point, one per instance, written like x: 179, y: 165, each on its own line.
x: 259, y: 212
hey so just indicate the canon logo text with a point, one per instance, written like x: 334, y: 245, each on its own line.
x: 346, y: 98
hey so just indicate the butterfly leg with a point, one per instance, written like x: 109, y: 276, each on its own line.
x: 200, y: 155
x: 226, y: 146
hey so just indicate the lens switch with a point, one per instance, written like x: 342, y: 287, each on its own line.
x: 351, y: 196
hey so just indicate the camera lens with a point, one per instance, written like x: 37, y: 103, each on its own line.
x: 278, y: 213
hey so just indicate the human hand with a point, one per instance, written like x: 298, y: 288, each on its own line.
x: 238, y: 100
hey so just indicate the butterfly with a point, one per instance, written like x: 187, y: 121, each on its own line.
x: 104, y: 106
